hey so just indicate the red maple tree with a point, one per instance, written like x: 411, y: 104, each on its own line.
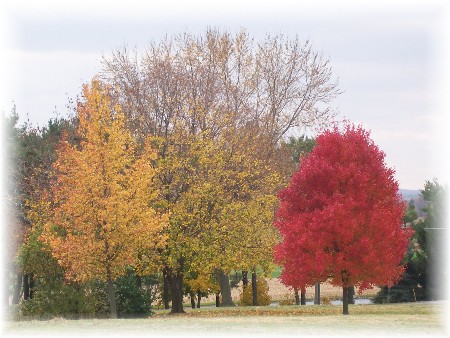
x: 340, y: 217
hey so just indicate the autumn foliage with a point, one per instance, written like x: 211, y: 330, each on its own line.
x: 341, y: 215
x: 101, y: 219
x: 171, y: 165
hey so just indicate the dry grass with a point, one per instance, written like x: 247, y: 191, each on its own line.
x: 279, y: 291
x: 317, y: 310
x: 408, y: 320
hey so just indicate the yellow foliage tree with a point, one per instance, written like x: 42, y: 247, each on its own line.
x: 221, y: 199
x: 102, y: 218
x: 225, y: 216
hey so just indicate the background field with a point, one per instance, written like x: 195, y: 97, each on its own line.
x: 278, y: 291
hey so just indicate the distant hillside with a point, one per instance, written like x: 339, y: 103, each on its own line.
x: 414, y: 195
x: 409, y: 194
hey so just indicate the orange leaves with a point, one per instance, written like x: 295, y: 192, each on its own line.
x: 111, y: 197
x: 102, y: 195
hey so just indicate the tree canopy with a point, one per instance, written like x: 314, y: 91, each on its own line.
x: 172, y: 162
x: 228, y: 100
x: 100, y: 218
x: 341, y: 215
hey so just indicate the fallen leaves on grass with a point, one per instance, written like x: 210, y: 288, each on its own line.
x: 316, y: 310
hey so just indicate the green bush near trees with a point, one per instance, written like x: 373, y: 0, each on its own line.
x: 134, y: 295
x: 75, y: 301
x: 59, y: 300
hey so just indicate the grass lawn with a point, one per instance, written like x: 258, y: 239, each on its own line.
x: 412, y: 319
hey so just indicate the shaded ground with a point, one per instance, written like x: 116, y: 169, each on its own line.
x: 404, y: 320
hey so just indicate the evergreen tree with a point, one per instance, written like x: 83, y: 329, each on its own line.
x: 425, y: 273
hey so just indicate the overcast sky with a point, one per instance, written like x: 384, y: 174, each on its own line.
x: 390, y: 59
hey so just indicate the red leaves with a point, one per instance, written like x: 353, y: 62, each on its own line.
x: 341, y: 212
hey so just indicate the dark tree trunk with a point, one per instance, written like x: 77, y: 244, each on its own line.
x: 112, y: 298
x: 297, y: 297
x: 303, y: 297
x: 110, y: 285
x: 351, y: 294
x: 345, y: 300
x: 77, y: 313
x: 26, y: 287
x: 31, y: 284
x: 317, y: 294
x: 217, y: 300
x: 254, y: 289
x: 192, y: 295
x: 17, y: 289
x: 199, y: 298
x: 166, y: 283
x: 176, y: 288
x: 225, y: 290
x: 244, y: 279
x: 138, y: 281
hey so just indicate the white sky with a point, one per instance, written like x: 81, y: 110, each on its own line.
x: 391, y: 60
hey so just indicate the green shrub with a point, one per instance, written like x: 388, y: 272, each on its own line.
x: 246, y: 298
x: 72, y: 301
x: 58, y: 300
x: 134, y: 296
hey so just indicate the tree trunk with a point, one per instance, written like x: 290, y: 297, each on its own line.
x: 109, y: 283
x: 17, y: 289
x: 303, y: 297
x: 225, y: 290
x: 26, y: 287
x: 199, y: 297
x: 244, y: 279
x: 345, y: 300
x: 217, y: 300
x: 166, y: 283
x: 176, y: 288
x: 351, y: 294
x: 254, y: 289
x: 138, y: 281
x: 297, y: 297
x: 192, y: 295
x: 112, y: 298
x: 317, y: 294
x: 31, y: 284
x: 77, y: 301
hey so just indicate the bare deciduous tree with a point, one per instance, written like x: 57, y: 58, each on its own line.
x: 214, y: 80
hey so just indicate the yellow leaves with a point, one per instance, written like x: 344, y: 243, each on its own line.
x: 222, y: 200
x: 202, y: 282
x: 206, y: 198
x: 102, y: 195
